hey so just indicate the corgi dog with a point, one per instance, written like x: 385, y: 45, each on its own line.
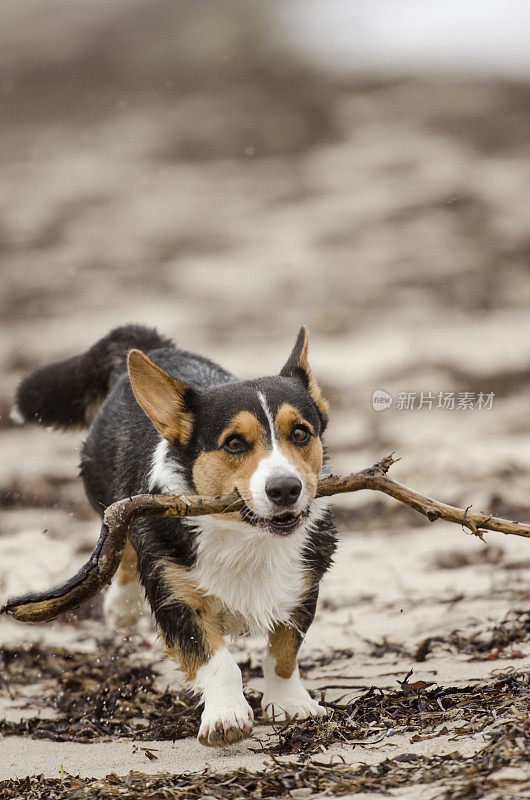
x: 165, y: 420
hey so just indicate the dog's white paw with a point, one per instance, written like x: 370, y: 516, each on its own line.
x: 285, y: 698
x: 123, y: 605
x: 226, y: 722
x: 280, y: 709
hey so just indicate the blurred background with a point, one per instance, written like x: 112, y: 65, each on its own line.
x: 230, y: 171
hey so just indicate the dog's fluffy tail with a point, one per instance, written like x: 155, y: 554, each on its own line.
x: 67, y: 394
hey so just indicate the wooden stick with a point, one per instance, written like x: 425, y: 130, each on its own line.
x: 376, y: 478
x: 104, y: 561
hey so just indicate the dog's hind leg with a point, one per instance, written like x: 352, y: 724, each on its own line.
x: 124, y: 600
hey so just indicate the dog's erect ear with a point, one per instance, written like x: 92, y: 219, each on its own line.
x: 162, y: 398
x: 297, y: 365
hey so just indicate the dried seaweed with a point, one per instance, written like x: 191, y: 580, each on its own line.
x: 106, y: 694
x: 414, y: 707
x: 95, y: 696
x: 458, y: 558
x: 485, y: 643
x: 458, y: 777
x: 278, y: 780
x: 385, y: 647
x: 310, y: 661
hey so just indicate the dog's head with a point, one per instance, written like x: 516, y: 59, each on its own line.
x: 261, y: 437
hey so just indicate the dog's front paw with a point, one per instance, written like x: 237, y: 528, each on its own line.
x: 280, y: 707
x: 226, y: 723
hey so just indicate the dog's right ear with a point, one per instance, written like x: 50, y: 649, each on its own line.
x: 297, y: 365
x: 164, y: 399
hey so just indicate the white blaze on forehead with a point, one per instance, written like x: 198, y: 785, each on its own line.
x: 280, y: 464
x: 265, y: 407
x: 275, y: 465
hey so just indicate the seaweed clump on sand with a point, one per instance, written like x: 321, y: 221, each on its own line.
x: 106, y: 694
x: 456, y: 776
x: 422, y: 709
x: 483, y: 642
x: 94, y: 696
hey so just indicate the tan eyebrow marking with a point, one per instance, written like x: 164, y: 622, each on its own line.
x: 308, y: 459
x: 288, y: 416
x: 243, y: 424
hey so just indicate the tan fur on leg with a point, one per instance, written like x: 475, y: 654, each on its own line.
x: 284, y: 642
x: 206, y: 611
x: 126, y: 572
x: 123, y: 601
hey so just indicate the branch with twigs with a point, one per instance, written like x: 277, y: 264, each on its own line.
x: 104, y: 561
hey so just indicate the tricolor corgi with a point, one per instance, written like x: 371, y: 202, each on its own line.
x: 164, y: 420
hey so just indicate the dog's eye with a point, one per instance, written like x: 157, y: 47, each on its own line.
x: 235, y: 445
x: 300, y: 435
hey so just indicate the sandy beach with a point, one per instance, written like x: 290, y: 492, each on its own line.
x: 395, y: 226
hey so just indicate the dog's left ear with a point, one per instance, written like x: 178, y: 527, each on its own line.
x: 163, y: 399
x: 297, y: 366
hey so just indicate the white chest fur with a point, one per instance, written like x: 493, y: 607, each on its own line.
x: 258, y: 577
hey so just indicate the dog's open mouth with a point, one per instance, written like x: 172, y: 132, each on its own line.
x: 280, y: 524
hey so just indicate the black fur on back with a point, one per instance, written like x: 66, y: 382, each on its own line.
x: 117, y: 455
x: 68, y: 393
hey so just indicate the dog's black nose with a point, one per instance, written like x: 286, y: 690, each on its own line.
x: 283, y: 491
